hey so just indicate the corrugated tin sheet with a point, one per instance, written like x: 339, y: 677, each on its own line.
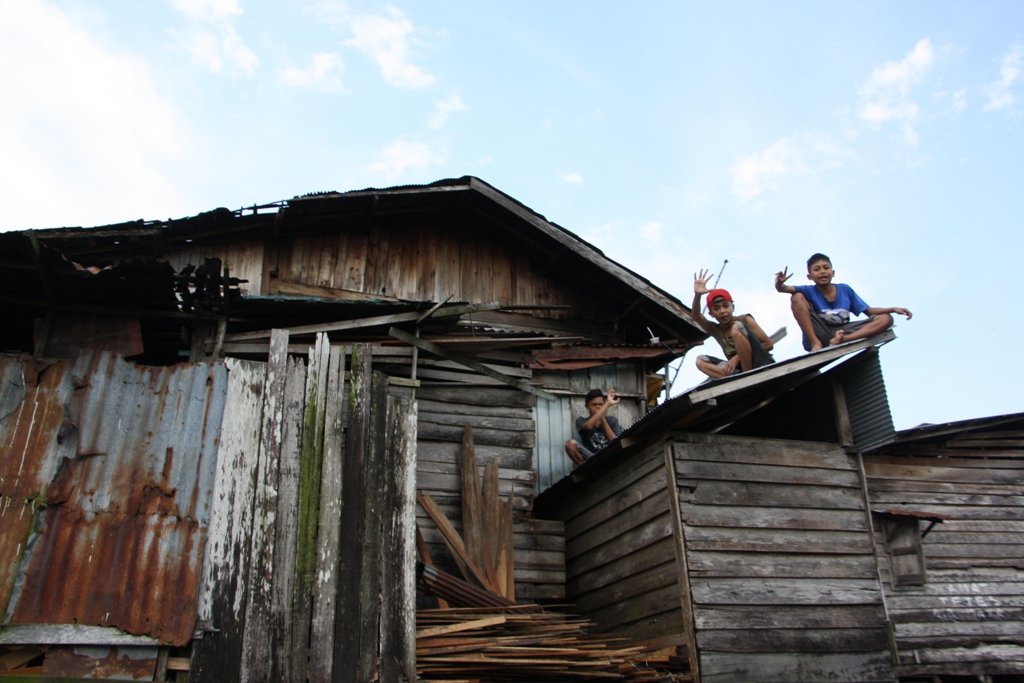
x: 107, y: 473
x: 866, y: 400
x: 554, y: 428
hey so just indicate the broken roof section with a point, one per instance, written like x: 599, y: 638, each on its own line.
x: 558, y: 251
x: 791, y: 399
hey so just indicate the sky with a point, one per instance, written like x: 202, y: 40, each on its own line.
x: 672, y: 135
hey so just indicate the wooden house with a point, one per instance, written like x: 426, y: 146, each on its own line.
x: 213, y: 429
x: 778, y: 527
x: 949, y: 518
x: 319, y: 321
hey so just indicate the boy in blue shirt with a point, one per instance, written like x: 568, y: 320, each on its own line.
x: 822, y: 310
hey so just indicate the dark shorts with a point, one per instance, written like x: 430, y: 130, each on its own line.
x: 758, y: 356
x: 825, y: 331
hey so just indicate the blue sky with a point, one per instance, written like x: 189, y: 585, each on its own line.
x: 673, y: 135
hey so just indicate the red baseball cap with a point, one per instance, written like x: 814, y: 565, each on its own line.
x: 715, y: 294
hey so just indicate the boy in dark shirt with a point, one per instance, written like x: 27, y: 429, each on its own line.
x: 822, y: 310
x: 596, y: 431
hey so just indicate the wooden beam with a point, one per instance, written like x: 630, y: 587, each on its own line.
x: 70, y: 634
x: 468, y: 362
x: 816, y: 358
x: 843, y: 427
x: 366, y: 322
x: 682, y: 562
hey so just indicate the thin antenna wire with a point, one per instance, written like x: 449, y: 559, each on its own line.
x: 715, y: 286
x: 722, y: 270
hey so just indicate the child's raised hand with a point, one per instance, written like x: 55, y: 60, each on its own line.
x: 782, y: 276
x: 700, y: 282
x: 613, y: 397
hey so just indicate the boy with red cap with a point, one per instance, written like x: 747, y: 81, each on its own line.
x: 822, y: 310
x: 745, y: 344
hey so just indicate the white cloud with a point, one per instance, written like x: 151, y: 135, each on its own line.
x: 82, y: 129
x: 444, y: 108
x: 1000, y: 95
x: 323, y: 73
x: 651, y: 231
x: 960, y: 100
x: 385, y: 39
x: 885, y: 96
x: 572, y: 178
x: 789, y: 157
x: 402, y: 155
x: 212, y: 39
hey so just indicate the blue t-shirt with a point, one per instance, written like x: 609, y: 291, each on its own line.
x: 834, y: 312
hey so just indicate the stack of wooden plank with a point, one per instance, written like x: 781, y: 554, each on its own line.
x: 527, y: 643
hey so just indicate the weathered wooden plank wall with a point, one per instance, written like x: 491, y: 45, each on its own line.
x: 278, y: 572
x: 503, y: 431
x: 620, y: 559
x: 243, y: 259
x: 968, y: 616
x: 419, y: 262
x: 782, y: 573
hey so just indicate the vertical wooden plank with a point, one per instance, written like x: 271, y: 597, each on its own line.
x: 325, y: 589
x: 310, y: 468
x: 256, y: 650
x: 398, y: 588
x: 682, y: 563
x: 491, y: 525
x: 427, y: 265
x: 472, y: 503
x: 222, y: 595
x: 350, y: 550
x: 373, y: 511
x: 341, y: 261
x: 286, y: 531
x: 355, y: 261
x: 328, y: 260
x: 843, y: 427
x: 469, y: 263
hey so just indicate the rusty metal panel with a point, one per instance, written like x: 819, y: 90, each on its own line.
x: 120, y: 461
x: 125, y: 663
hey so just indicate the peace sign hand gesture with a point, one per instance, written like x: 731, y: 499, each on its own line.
x: 700, y: 282
x: 781, y: 277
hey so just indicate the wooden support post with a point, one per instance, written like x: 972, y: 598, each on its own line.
x: 226, y: 577
x: 350, y: 552
x: 369, y: 619
x: 257, y: 655
x: 398, y: 590
x: 310, y: 468
x: 843, y: 427
x: 682, y: 563
x: 325, y: 589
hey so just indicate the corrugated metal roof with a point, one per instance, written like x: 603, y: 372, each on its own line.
x: 711, y: 406
x: 866, y: 401
x: 111, y: 467
x: 934, y: 431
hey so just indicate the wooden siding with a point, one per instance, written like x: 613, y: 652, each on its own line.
x: 619, y: 551
x: 968, y: 616
x: 418, y: 262
x: 782, y: 574
x: 242, y: 259
x: 503, y: 430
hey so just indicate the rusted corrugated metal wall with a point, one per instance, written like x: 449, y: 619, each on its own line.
x: 106, y: 472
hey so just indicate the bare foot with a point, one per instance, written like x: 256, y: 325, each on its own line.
x: 815, y: 346
x: 838, y: 339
